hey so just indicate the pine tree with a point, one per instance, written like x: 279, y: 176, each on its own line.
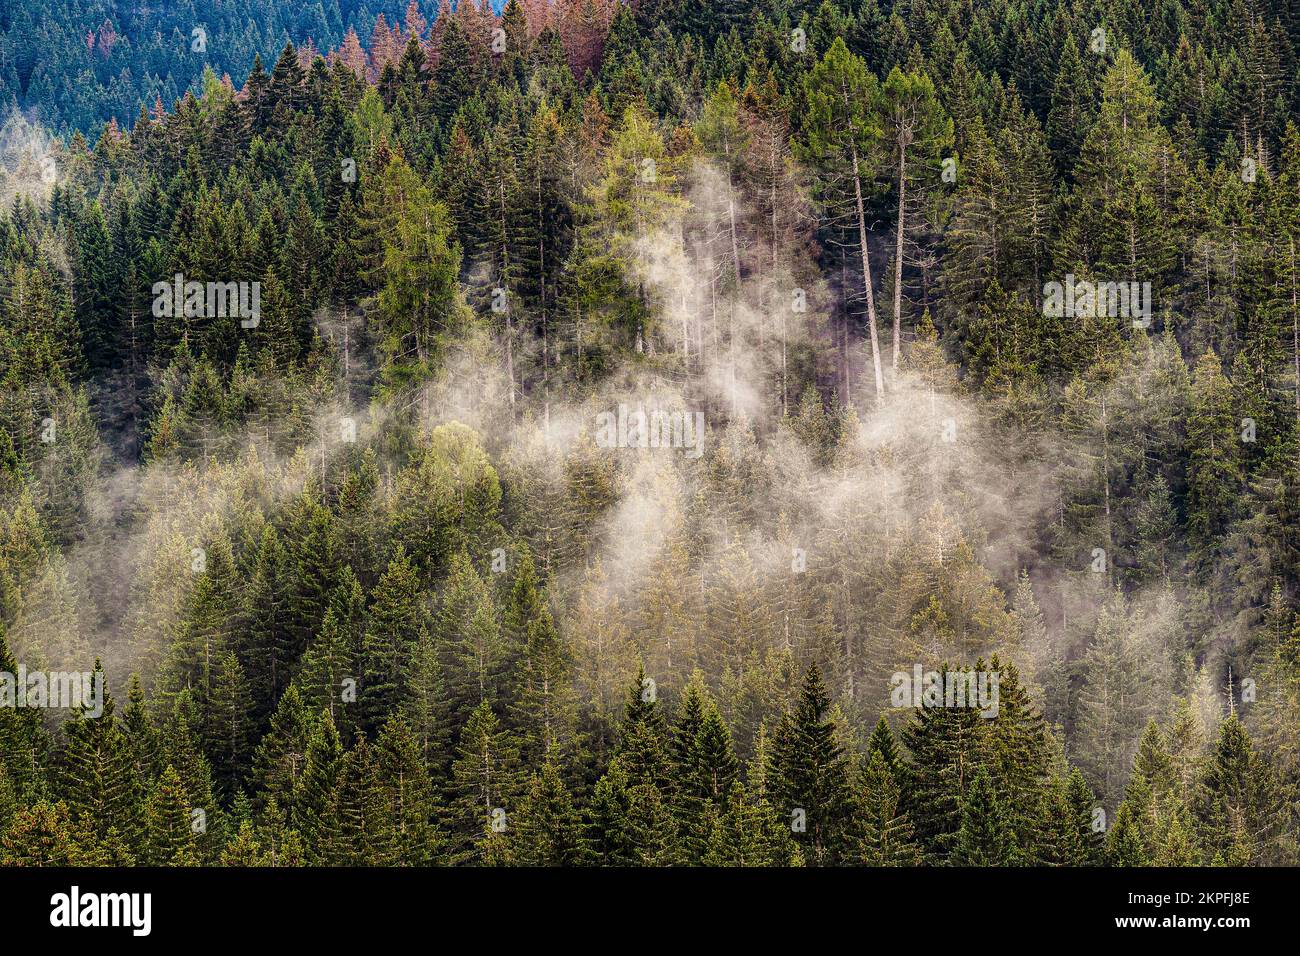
x: 229, y: 729
x: 262, y: 649
x: 474, y: 654
x: 1084, y: 810
x: 329, y: 669
x: 808, y: 775
x: 546, y: 826
x: 607, y: 834
x: 716, y: 765
x: 181, y: 750
x: 948, y: 746
x: 485, y: 781
x: 1124, y: 843
x: 97, y: 780
x: 546, y: 704
x: 1114, y: 702
x: 418, y: 300
x: 642, y: 750
x: 314, y: 574
x: 142, y: 739
x: 841, y: 136
x: 427, y: 708
x: 883, y: 834
x: 1072, y: 104
x: 409, y: 796
x: 986, y: 836
x: 398, y: 619
x: 170, y: 828
x: 915, y: 133
x: 1018, y: 748
x: 281, y: 755
x: 1060, y: 839
x: 316, y: 791
x: 882, y: 742
x: 1239, y: 801
x: 1214, y: 472
x: 363, y: 827
x: 23, y: 742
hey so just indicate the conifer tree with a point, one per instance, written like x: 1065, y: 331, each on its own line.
x: 546, y: 830
x: 1214, y: 471
x: 281, y: 755
x: 485, y: 782
x: 546, y: 705
x: 1114, y: 704
x: 229, y: 728
x: 23, y: 743
x: 97, y: 780
x: 171, y: 836
x: 915, y: 131
x: 398, y: 618
x: 842, y: 134
x: 1239, y: 801
x: 986, y: 836
x: 409, y: 796
x: 883, y: 834
x: 948, y: 746
x: 808, y: 776
x: 473, y: 651
x: 315, y: 794
x: 1124, y: 843
x: 363, y: 834
x: 1059, y: 839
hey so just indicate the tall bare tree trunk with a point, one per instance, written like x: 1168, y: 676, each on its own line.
x: 785, y: 404
x: 898, y: 255
x: 546, y: 330
x: 866, y: 279
x: 1295, y: 327
x: 505, y: 269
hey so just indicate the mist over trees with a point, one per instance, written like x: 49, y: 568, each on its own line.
x: 558, y: 435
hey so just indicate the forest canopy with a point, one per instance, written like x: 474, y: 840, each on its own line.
x: 604, y: 433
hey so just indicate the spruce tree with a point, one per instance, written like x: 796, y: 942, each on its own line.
x: 546, y: 826
x: 485, y: 782
x: 882, y: 833
x: 808, y: 775
x: 171, y: 835
x: 409, y: 796
x: 314, y: 814
x: 986, y: 836
x: 398, y: 618
x: 1239, y: 802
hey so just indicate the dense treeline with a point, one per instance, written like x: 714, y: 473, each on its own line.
x: 971, y: 793
x: 77, y: 65
x: 373, y: 590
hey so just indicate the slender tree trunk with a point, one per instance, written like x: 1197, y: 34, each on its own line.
x: 1105, y: 464
x: 347, y: 355
x: 686, y: 333
x: 505, y: 277
x: 546, y: 331
x: 898, y: 255
x: 844, y: 331
x: 785, y: 403
x: 1295, y: 327
x: 866, y: 279
x: 732, y: 333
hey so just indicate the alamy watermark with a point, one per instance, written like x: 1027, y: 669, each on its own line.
x: 977, y: 690
x: 1091, y: 300
x: 659, y: 429
x: 53, y: 689
x: 74, y: 909
x: 210, y: 300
